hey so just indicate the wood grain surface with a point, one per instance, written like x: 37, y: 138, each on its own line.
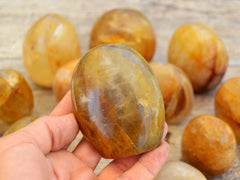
x: 223, y: 17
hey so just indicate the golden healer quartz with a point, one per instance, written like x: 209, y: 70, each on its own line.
x: 50, y: 43
x: 227, y: 104
x: 117, y: 101
x: 125, y: 26
x: 16, y: 98
x: 176, y: 89
x: 201, y: 54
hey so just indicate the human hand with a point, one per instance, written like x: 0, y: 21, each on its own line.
x: 39, y: 151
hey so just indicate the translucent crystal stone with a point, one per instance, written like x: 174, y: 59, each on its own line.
x: 200, y: 53
x: 50, y: 43
x: 16, y: 98
x: 208, y: 144
x: 227, y: 104
x: 177, y: 170
x: 63, y: 78
x: 117, y: 101
x: 125, y: 26
x: 176, y: 89
x: 19, y: 124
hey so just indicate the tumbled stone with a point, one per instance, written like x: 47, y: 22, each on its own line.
x: 63, y: 78
x: 117, y: 101
x: 16, y: 98
x: 177, y: 170
x: 19, y: 124
x: 227, y: 104
x: 208, y: 143
x: 201, y: 54
x: 125, y: 26
x: 176, y: 89
x: 51, y: 42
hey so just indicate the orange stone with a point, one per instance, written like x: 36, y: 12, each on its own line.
x: 16, y: 98
x: 117, y: 101
x: 227, y: 104
x: 208, y: 144
x: 51, y: 42
x: 19, y: 124
x: 176, y: 89
x: 201, y: 54
x: 125, y: 26
x: 63, y: 78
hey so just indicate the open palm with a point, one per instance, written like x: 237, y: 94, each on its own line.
x: 38, y: 151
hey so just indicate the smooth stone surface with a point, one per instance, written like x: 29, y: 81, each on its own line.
x: 51, y: 42
x: 62, y: 80
x: 19, y: 124
x: 176, y: 89
x: 16, y: 98
x: 227, y: 104
x: 117, y: 101
x: 125, y: 26
x: 177, y: 170
x: 201, y: 54
x: 208, y: 143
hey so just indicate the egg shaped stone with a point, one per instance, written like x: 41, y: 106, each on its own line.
x: 51, y: 42
x: 117, y: 101
x: 16, y: 98
x: 19, y: 124
x: 177, y: 170
x: 125, y: 26
x: 201, y: 54
x: 62, y: 80
x: 176, y: 90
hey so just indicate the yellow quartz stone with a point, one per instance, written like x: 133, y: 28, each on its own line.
x: 19, y: 124
x: 177, y: 170
x: 227, y: 104
x: 200, y: 53
x: 16, y: 98
x: 50, y: 43
x: 176, y: 89
x: 125, y: 26
x: 117, y: 101
x: 63, y: 78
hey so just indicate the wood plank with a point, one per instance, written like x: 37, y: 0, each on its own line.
x: 16, y: 17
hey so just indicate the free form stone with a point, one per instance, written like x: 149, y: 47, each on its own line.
x: 117, y: 101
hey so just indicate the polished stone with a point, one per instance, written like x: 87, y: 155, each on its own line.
x: 16, y: 98
x: 176, y: 89
x: 19, y: 124
x: 201, y: 54
x: 208, y: 143
x: 125, y: 26
x: 62, y: 80
x: 51, y: 42
x: 117, y: 101
x: 227, y: 104
x: 177, y: 170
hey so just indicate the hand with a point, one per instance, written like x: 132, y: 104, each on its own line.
x: 38, y: 151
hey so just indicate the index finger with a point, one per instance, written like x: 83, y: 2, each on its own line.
x: 64, y: 106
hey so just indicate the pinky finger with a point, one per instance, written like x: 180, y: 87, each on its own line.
x: 149, y: 164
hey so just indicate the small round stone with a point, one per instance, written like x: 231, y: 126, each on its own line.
x: 19, y: 124
x: 200, y: 53
x: 50, y: 43
x: 62, y: 80
x: 16, y: 98
x: 117, y: 101
x: 125, y: 26
x: 209, y: 144
x: 176, y: 90
x: 177, y: 170
x: 227, y: 104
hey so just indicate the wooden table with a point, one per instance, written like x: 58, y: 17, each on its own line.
x: 223, y: 17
